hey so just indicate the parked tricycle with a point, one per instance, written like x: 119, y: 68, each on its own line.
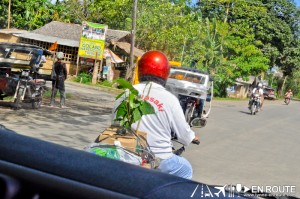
x: 19, y: 72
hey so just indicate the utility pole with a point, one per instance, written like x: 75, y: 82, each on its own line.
x: 8, y: 20
x: 131, y: 67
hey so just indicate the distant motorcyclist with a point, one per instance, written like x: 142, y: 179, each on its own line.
x: 153, y: 69
x: 259, y: 90
x: 288, y: 94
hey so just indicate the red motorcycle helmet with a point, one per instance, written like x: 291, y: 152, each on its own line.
x: 154, y: 63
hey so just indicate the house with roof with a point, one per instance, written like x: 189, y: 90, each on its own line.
x: 67, y: 36
x: 242, y: 87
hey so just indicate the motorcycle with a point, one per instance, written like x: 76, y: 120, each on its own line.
x: 287, y: 100
x: 254, y: 104
x: 190, y: 109
x: 29, y: 90
x: 19, y: 66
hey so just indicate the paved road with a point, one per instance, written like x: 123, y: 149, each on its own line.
x: 235, y: 146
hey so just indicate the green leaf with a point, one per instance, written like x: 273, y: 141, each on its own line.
x: 126, y: 84
x: 136, y: 115
x: 146, y: 108
x: 131, y: 100
x: 136, y: 103
x: 121, y: 110
x: 121, y: 94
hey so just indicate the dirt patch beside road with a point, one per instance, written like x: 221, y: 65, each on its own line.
x: 88, y: 113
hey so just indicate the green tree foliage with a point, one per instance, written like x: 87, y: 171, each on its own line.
x: 164, y: 26
x: 27, y: 14
x: 228, y: 38
x: 4, y: 13
x: 229, y: 55
x: 260, y: 32
x: 116, y: 14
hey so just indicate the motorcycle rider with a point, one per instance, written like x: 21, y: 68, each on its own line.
x: 288, y: 94
x: 153, y: 71
x: 260, y: 91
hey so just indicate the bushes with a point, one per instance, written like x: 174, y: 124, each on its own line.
x: 106, y: 83
x: 84, y: 78
x: 110, y: 84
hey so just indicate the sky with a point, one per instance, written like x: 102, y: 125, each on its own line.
x: 296, y: 1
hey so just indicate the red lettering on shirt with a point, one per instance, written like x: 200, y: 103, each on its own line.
x: 160, y: 106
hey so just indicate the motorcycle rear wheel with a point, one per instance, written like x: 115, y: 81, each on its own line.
x: 287, y: 101
x: 188, y: 114
x: 253, y: 109
x: 198, y: 122
x: 18, y: 99
x: 37, y: 102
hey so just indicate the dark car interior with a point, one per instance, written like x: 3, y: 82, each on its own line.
x: 32, y: 168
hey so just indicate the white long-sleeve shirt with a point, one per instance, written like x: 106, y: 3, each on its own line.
x: 168, y: 117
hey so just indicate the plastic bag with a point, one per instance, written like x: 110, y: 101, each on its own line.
x: 116, y: 152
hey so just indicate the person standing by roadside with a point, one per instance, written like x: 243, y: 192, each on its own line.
x: 60, y: 72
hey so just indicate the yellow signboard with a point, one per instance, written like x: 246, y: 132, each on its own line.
x: 92, y: 40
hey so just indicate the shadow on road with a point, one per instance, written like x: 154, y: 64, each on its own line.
x: 13, y: 106
x: 7, y: 104
x: 248, y: 113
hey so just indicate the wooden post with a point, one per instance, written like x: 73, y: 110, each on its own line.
x: 282, y: 86
x: 110, y: 72
x: 77, y: 65
x: 8, y: 18
x: 131, y: 67
x: 100, y: 69
x: 95, y: 72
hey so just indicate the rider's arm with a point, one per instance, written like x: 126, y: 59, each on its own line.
x: 184, y: 133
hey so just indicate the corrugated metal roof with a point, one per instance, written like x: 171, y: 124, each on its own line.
x: 250, y: 81
x: 50, y: 39
x: 126, y: 46
x: 68, y: 34
x: 73, y: 31
x: 11, y: 31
